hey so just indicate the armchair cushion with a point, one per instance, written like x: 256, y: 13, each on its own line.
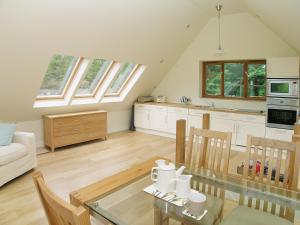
x: 6, y: 133
x: 12, y: 153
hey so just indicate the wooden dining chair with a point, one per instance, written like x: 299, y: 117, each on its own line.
x: 209, y: 150
x: 272, y: 163
x: 58, y: 211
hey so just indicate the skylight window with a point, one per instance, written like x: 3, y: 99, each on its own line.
x: 57, y: 75
x: 71, y: 80
x: 93, y: 77
x: 120, y: 79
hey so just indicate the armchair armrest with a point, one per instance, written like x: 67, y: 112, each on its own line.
x: 27, y: 139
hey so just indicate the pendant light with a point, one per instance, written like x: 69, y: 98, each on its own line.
x: 219, y: 8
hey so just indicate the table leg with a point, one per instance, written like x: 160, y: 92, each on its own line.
x: 159, y: 217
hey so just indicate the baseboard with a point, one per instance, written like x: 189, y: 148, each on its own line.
x: 158, y: 133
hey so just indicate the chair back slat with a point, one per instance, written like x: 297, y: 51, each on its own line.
x: 220, y: 153
x: 263, y: 161
x: 274, y: 163
x: 278, y: 166
x: 58, y: 211
x: 190, y: 144
x: 286, y: 170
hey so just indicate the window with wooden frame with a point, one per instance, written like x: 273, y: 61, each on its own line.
x: 60, y: 72
x: 122, y: 78
x: 243, y: 79
x: 94, y: 76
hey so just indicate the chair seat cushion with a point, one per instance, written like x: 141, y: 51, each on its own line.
x: 12, y: 153
x: 243, y: 215
x: 214, y: 207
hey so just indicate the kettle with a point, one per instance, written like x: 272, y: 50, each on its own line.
x: 165, y: 176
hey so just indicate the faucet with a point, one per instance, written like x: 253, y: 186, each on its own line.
x: 210, y: 103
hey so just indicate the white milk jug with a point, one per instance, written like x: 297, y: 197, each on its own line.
x: 183, y: 186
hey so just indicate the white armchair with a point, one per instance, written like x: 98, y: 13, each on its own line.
x: 18, y: 157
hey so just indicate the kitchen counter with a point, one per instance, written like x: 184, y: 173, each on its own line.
x: 208, y: 108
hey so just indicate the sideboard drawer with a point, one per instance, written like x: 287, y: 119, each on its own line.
x: 67, y: 121
x: 64, y: 131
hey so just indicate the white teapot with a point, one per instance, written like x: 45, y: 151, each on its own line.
x: 165, y: 176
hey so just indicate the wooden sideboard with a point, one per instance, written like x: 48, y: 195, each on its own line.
x: 71, y: 128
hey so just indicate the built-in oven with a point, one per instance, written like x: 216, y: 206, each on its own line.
x: 283, y: 87
x: 282, y: 113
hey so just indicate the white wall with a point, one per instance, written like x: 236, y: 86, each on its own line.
x: 116, y: 121
x: 128, y: 31
x: 243, y: 37
x: 34, y: 126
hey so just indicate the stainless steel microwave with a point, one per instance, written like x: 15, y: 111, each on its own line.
x: 283, y: 87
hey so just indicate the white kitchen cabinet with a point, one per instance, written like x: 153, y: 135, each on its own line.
x: 163, y: 119
x: 175, y: 114
x: 283, y: 67
x: 142, y: 116
x: 250, y: 118
x: 239, y: 125
x: 224, y: 125
x: 243, y: 129
x: 195, y: 118
x: 158, y: 118
x: 195, y: 121
x: 279, y: 134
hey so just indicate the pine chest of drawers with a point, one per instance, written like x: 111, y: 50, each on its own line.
x: 71, y: 128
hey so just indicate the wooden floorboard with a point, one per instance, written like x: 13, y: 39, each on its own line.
x: 71, y: 168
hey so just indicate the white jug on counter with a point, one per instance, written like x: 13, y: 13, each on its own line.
x: 165, y: 176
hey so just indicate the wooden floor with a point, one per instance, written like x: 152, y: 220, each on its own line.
x: 71, y: 168
x: 74, y: 167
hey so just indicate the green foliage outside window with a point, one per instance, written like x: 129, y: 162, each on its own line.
x: 57, y: 75
x: 213, y: 79
x: 256, y: 80
x: 92, y: 76
x: 120, y: 78
x: 233, y: 79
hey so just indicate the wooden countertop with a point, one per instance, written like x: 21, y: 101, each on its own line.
x: 74, y: 114
x: 190, y: 106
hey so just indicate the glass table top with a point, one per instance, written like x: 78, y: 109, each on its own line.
x: 130, y: 205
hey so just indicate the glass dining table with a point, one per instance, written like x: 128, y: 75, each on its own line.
x: 129, y: 204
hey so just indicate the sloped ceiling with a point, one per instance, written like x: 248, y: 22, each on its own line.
x: 283, y: 17
x: 141, y: 31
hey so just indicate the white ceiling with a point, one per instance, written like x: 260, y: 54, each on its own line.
x: 283, y: 17
x: 141, y: 31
